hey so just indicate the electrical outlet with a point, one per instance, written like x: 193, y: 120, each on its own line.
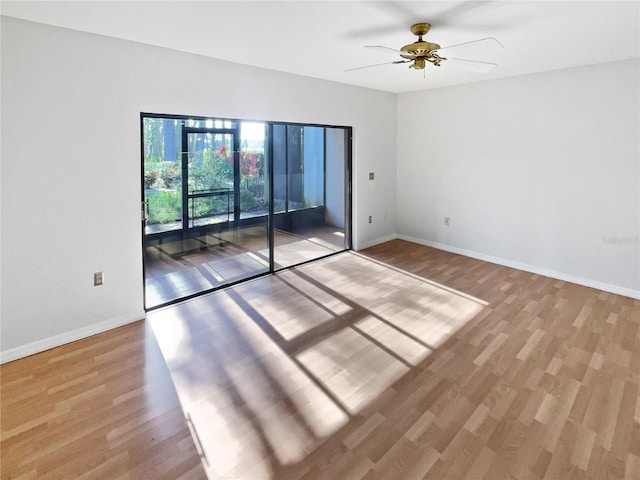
x: 98, y: 279
x: 371, y: 176
x: 447, y: 221
x: 370, y: 219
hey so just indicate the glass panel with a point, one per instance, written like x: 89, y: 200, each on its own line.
x: 306, y: 228
x: 253, y: 192
x: 294, y: 167
x: 279, y: 154
x: 210, y: 182
x: 218, y: 204
x: 313, y: 166
x: 206, y: 186
x: 162, y: 174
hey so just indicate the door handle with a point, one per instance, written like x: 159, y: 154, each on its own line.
x: 145, y: 211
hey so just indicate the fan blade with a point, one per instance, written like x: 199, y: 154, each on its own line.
x: 376, y: 65
x: 384, y: 49
x: 484, y: 42
x: 471, y: 65
x: 449, y: 15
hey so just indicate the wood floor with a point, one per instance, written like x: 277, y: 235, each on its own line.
x: 100, y: 408
x: 398, y: 362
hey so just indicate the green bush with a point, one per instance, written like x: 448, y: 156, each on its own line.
x: 164, y: 207
x: 170, y: 174
x: 150, y: 178
x: 249, y: 202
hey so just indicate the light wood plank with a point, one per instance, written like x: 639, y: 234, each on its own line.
x: 400, y: 361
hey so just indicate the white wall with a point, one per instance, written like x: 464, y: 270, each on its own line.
x: 71, y: 165
x: 539, y: 172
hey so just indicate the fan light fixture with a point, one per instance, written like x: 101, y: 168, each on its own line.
x: 421, y: 52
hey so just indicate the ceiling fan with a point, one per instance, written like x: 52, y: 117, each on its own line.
x: 420, y: 53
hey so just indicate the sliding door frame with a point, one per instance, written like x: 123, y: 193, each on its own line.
x: 268, y: 149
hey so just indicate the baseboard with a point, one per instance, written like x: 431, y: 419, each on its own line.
x: 627, y: 292
x: 371, y: 243
x: 68, y: 337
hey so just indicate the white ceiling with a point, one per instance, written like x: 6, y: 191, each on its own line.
x: 323, y: 38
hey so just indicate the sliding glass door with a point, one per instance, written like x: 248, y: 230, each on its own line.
x: 309, y: 164
x: 224, y: 201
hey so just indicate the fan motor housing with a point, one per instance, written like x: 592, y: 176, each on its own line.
x: 420, y: 49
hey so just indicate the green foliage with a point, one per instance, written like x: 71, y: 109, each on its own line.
x: 171, y: 175
x: 209, y: 168
x: 150, y: 178
x: 213, y: 170
x: 209, y: 206
x: 166, y: 175
x: 249, y: 202
x: 164, y: 207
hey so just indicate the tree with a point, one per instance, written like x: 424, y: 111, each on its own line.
x: 169, y: 134
x: 152, y: 132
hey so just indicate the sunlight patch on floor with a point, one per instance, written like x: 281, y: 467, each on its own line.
x: 352, y: 367
x: 227, y: 438
x: 269, y: 369
x: 287, y: 311
x: 402, y: 345
x: 171, y: 339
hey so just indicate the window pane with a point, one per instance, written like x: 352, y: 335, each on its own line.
x: 253, y: 201
x: 294, y: 167
x: 313, y: 166
x: 162, y: 174
x: 279, y: 159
